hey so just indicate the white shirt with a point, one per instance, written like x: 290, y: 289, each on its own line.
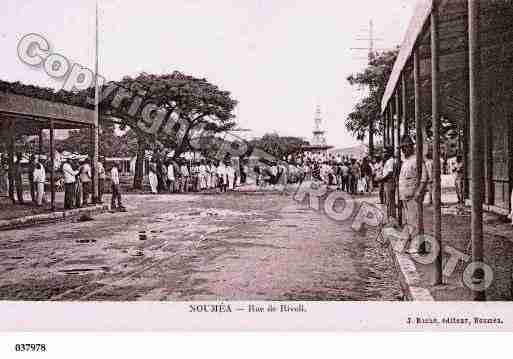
x: 388, y: 168
x: 408, y: 177
x: 230, y: 172
x: 170, y: 172
x: 101, y: 171
x: 39, y: 175
x: 85, y: 173
x: 114, y: 175
x: 69, y: 173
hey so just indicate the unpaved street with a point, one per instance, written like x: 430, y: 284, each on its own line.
x: 236, y: 246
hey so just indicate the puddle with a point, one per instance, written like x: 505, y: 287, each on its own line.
x: 84, y: 270
x: 76, y: 270
x: 17, y: 257
x: 85, y: 241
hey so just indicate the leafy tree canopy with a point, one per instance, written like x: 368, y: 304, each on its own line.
x: 374, y: 79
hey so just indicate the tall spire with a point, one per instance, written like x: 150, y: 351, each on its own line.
x: 318, y: 132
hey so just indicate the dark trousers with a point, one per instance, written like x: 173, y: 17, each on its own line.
x: 69, y: 195
x: 381, y: 193
x: 101, y: 189
x: 86, y: 191
x: 33, y: 190
x: 116, y: 196
x: 19, y: 188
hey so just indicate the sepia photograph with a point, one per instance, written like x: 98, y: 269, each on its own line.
x: 284, y: 157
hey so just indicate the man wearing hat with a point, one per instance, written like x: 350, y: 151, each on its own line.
x: 387, y: 177
x: 411, y: 191
x: 102, y: 175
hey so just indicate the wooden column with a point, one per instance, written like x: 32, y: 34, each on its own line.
x: 93, y: 151
x: 371, y: 138
x: 435, y: 111
x: 52, y: 164
x: 466, y: 123
x: 40, y: 141
x: 491, y: 109
x: 398, y: 157
x: 385, y: 127
x: 476, y: 137
x: 391, y: 124
x: 419, y: 134
x: 10, y: 153
x: 404, y: 98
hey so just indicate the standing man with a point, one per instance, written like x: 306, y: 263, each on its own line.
x: 32, y: 183
x: 116, y: 190
x: 410, y: 189
x: 4, y: 175
x: 184, y: 172
x: 429, y: 169
x: 85, y: 179
x: 170, y: 177
x: 101, y: 179
x: 18, y: 178
x: 39, y: 178
x: 378, y: 169
x: 387, y: 177
x: 458, y: 180
x: 69, y: 184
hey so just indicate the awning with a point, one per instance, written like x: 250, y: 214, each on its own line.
x: 420, y: 16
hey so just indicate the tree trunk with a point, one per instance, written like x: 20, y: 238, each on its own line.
x: 371, y: 139
x: 139, y: 163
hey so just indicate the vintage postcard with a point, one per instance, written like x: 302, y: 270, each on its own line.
x: 256, y: 165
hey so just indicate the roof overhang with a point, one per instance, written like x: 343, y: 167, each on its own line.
x: 421, y: 15
x: 33, y: 109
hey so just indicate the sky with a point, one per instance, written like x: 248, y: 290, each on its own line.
x: 278, y: 58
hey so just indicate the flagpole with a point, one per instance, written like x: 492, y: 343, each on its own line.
x: 96, y: 127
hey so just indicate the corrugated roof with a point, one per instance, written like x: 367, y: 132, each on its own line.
x: 420, y: 16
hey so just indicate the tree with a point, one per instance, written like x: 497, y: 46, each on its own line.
x: 194, y: 102
x: 111, y: 145
x: 280, y: 147
x: 366, y: 116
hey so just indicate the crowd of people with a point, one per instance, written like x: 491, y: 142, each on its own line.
x: 183, y: 176
x: 74, y: 177
x: 354, y: 176
x: 36, y: 173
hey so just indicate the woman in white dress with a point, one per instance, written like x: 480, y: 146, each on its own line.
x: 152, y: 177
x: 230, y: 176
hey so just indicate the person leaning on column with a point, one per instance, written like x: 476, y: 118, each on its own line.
x: 411, y: 190
x: 387, y: 177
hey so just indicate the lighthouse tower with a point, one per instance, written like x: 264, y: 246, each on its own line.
x: 318, y: 145
x: 318, y: 133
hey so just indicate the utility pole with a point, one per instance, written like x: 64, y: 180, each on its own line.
x: 96, y: 127
x: 371, y: 55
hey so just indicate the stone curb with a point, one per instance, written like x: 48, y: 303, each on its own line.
x: 409, y: 278
x: 50, y: 217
